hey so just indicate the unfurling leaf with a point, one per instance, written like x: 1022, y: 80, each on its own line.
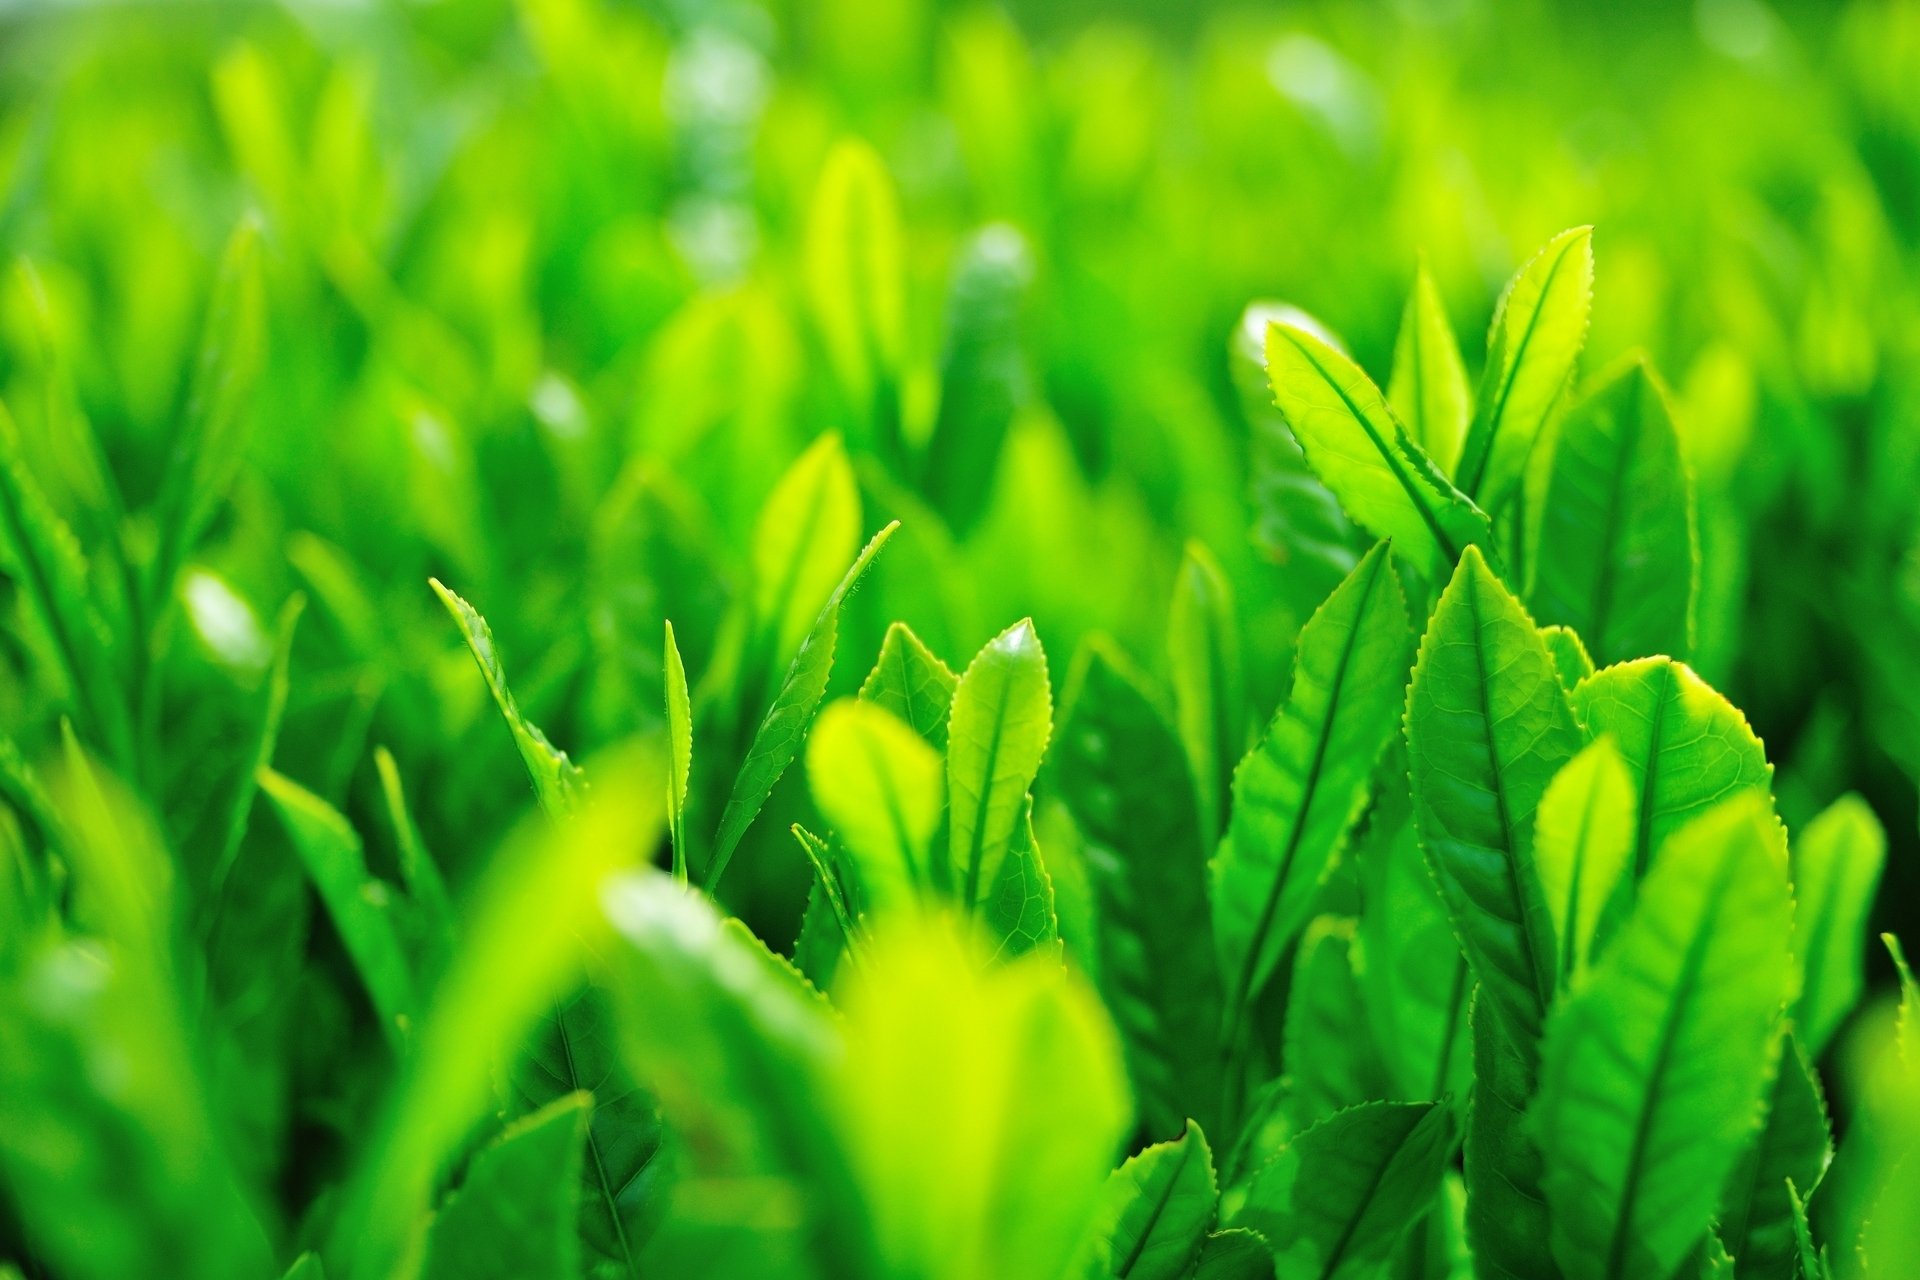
x: 997, y: 732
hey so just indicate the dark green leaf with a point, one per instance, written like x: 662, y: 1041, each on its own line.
x: 1337, y: 1200
x: 1297, y: 794
x: 1617, y: 557
x: 1792, y: 1149
x: 1203, y: 644
x: 1123, y: 773
x: 1836, y: 865
x: 1506, y: 1213
x: 1155, y: 1212
x: 512, y: 1218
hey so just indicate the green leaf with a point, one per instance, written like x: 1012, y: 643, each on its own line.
x: 1836, y: 866
x: 557, y: 781
x: 1583, y: 839
x: 911, y: 682
x: 1907, y: 1023
x: 574, y: 1054
x: 1122, y: 772
x: 1538, y: 330
x: 1155, y: 1211
x: 1332, y: 1062
x: 306, y: 1267
x: 273, y: 710
x: 1338, y: 1198
x: 1792, y: 1149
x: 1570, y: 657
x: 1687, y: 747
x: 1002, y: 716
x: 1654, y: 1071
x: 1004, y: 1175
x: 1617, y: 553
x: 878, y: 783
x: 1298, y: 793
x: 1810, y: 1261
x: 1429, y: 389
x: 855, y: 274
x: 1487, y: 729
x: 983, y: 373
x: 361, y: 907
x: 51, y: 576
x: 513, y: 1215
x: 806, y: 531
x: 777, y: 741
x: 679, y: 752
x: 1506, y: 1216
x: 1019, y: 909
x: 1234, y: 1254
x: 207, y: 448
x: 1203, y: 644
x: 417, y: 867
x: 1363, y: 454
x: 535, y: 911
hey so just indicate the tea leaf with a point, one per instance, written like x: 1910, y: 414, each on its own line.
x: 1428, y: 389
x: 1792, y: 1149
x: 1617, y: 554
x: 1537, y: 332
x: 1487, y: 729
x: 1296, y: 795
x: 1570, y: 657
x: 913, y: 684
x: 807, y: 530
x: 880, y: 786
x: 1653, y: 1071
x: 1836, y: 866
x: 1203, y: 642
x: 1001, y: 719
x: 1155, y: 1211
x: 1583, y: 837
x: 513, y: 1215
x: 679, y: 752
x: 1506, y: 1218
x: 1365, y: 456
x: 855, y: 274
x: 1685, y: 745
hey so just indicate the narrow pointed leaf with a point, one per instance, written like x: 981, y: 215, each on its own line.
x: 806, y: 532
x: 679, y: 751
x: 1488, y: 726
x: 1298, y: 793
x: 1506, y: 1216
x: 1793, y: 1148
x: 855, y: 274
x: 1617, y: 553
x: 1337, y: 1200
x: 1583, y: 841
x: 361, y: 907
x: 1570, y: 657
x: 1538, y: 330
x: 1001, y: 719
x: 777, y: 741
x: 911, y: 682
x: 557, y: 781
x: 1019, y: 908
x: 1327, y: 1045
x: 1121, y: 770
x: 1653, y: 1072
x: 1687, y: 747
x: 1155, y: 1211
x: 1355, y: 445
x: 1429, y: 389
x: 1203, y: 644
x: 512, y: 1218
x: 1836, y: 865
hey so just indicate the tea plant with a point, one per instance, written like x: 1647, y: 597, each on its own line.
x: 630, y: 686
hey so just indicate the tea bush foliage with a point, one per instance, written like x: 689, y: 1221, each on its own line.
x: 866, y: 640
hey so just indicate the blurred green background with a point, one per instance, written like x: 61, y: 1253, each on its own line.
x: 541, y: 322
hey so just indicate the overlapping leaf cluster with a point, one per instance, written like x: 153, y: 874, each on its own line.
x: 701, y: 649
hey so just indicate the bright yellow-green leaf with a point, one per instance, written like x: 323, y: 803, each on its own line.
x: 855, y: 273
x: 807, y: 531
x: 879, y: 785
x: 911, y: 682
x: 1582, y: 842
x: 1538, y: 330
x: 679, y: 751
x: 997, y: 733
x: 1429, y: 389
x: 1363, y: 454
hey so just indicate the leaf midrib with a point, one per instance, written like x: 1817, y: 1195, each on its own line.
x: 600, y: 1176
x: 1496, y: 416
x: 1684, y: 990
x: 1159, y: 1210
x: 1420, y: 505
